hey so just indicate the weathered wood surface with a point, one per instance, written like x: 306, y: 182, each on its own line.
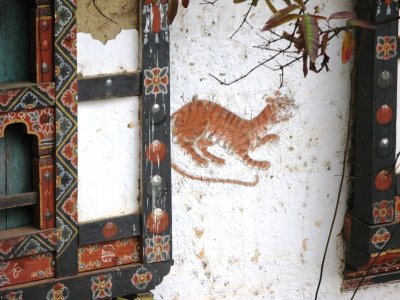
x: 113, y: 282
x: 109, y: 86
x: 17, y: 173
x: 18, y: 200
x: 14, y: 28
x: 110, y: 229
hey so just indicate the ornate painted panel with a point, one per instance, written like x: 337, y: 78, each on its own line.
x: 112, y: 257
x: 371, y: 226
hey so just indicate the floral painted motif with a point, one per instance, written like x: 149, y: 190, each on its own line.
x: 32, y: 247
x: 108, y: 254
x: 7, y: 96
x: 62, y: 16
x: 63, y: 180
x: 6, y: 246
x: 39, y: 122
x: 141, y: 278
x: 28, y: 101
x: 70, y: 206
x: 4, y: 280
x: 69, y: 42
x: 397, y: 208
x: 14, y: 296
x: 383, y: 211
x: 64, y: 233
x: 62, y: 71
x: 63, y: 125
x: 380, y: 238
x: 386, y: 47
x: 42, y: 121
x: 101, y: 287
x: 156, y: 81
x: 158, y: 248
x: 70, y: 97
x: 48, y: 89
x: 51, y: 237
x: 58, y: 292
x: 70, y: 150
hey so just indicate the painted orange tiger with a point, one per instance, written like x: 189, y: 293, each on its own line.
x: 202, y: 123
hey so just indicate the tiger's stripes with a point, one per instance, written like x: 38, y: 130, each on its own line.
x: 201, y: 124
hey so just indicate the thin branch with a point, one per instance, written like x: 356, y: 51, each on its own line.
x: 209, y: 2
x: 243, y: 21
x: 101, y: 12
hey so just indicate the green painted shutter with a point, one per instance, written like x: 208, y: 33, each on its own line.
x: 14, y: 29
x: 16, y: 176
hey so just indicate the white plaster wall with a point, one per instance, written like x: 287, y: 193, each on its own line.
x: 109, y: 136
x: 267, y: 242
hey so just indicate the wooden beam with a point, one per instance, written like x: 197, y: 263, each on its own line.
x: 109, y: 86
x: 110, y: 229
x: 18, y: 200
x: 125, y: 280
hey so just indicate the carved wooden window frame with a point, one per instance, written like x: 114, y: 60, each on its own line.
x: 153, y: 225
x: 371, y: 225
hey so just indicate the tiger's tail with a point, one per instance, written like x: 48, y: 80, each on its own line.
x: 215, y: 180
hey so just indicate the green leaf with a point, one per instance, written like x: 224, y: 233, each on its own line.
x: 310, y: 30
x: 239, y: 1
x: 360, y: 23
x: 271, y: 6
x: 287, y: 2
x: 254, y: 2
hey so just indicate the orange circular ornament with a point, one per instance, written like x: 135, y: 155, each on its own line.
x: 110, y: 230
x: 156, y: 152
x: 384, y: 114
x: 383, y: 181
x: 157, y: 221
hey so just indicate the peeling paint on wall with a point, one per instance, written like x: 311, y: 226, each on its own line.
x: 104, y: 19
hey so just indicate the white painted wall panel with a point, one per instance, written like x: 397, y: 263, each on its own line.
x: 108, y: 158
x: 109, y: 133
x: 116, y: 56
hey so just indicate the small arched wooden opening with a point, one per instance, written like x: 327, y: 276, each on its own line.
x: 16, y: 176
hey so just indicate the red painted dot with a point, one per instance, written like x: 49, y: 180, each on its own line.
x: 383, y: 181
x: 384, y: 114
x: 156, y: 152
x: 157, y: 221
x: 110, y: 230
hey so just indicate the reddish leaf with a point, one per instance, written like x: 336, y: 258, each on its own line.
x: 347, y: 46
x: 283, y: 12
x: 172, y: 10
x: 305, y: 65
x: 324, y: 43
x: 185, y: 3
x: 342, y: 15
x: 310, y: 30
x: 275, y: 22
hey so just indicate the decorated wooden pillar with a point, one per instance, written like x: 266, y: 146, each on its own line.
x: 373, y: 229
x: 156, y: 201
